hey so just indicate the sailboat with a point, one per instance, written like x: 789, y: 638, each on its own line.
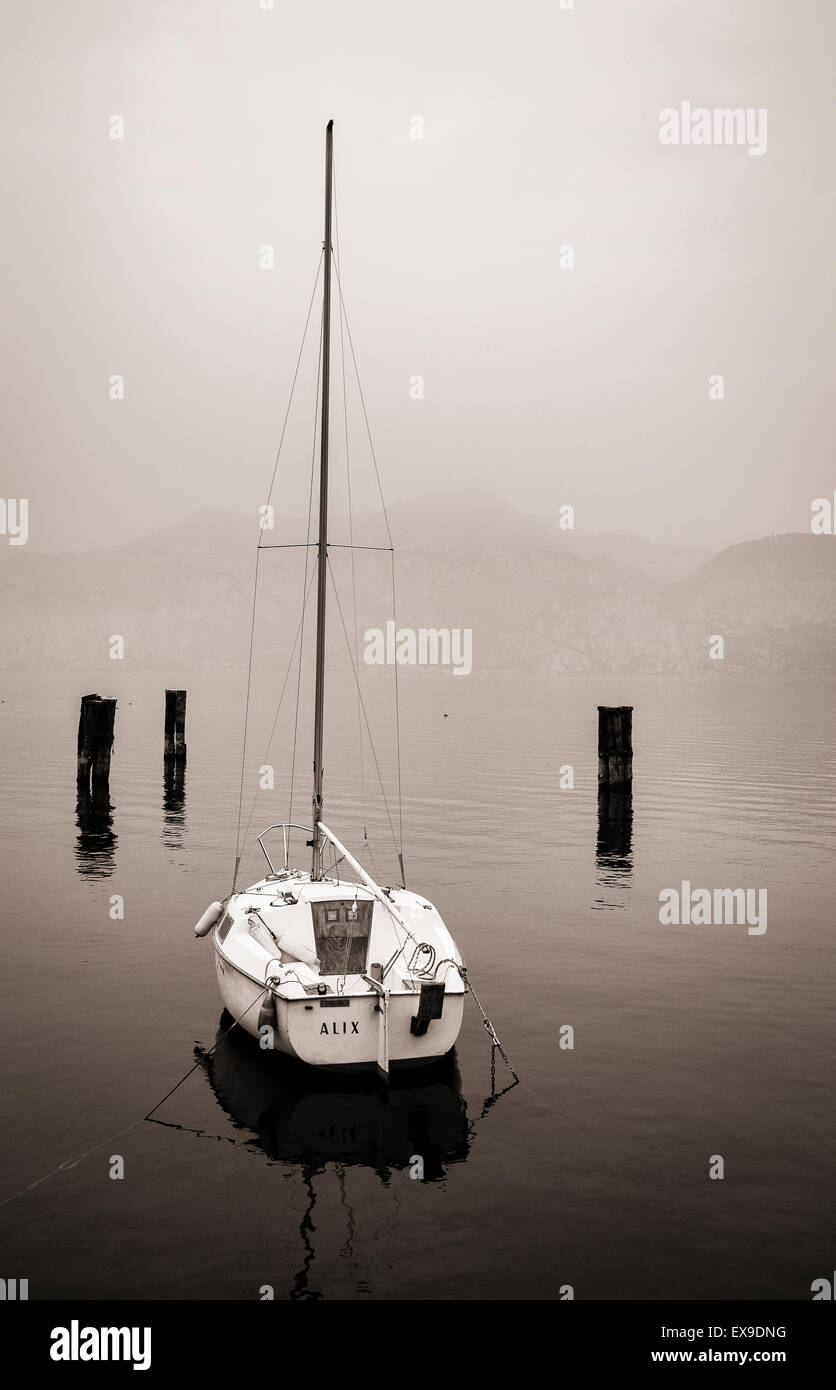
x: 339, y: 973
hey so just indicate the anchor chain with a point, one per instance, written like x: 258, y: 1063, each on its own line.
x: 489, y: 1028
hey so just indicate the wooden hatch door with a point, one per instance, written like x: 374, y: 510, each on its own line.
x: 342, y: 930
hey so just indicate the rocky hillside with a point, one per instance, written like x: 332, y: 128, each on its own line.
x: 537, y: 599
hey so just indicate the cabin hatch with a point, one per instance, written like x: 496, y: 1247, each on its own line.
x: 342, y: 931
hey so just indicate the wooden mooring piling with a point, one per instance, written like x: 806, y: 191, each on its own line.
x: 96, y: 722
x: 615, y: 745
x: 174, y: 745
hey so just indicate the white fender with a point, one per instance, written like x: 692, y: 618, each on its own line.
x: 265, y: 938
x: 267, y: 1013
x: 285, y: 945
x: 262, y: 935
x: 209, y: 918
x: 294, y: 950
x: 282, y: 948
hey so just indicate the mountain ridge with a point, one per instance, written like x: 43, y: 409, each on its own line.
x: 534, y: 600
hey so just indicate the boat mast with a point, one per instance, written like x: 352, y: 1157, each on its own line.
x: 322, y: 552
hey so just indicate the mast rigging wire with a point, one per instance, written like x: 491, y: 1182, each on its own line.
x: 345, y: 333
x: 336, y: 254
x: 279, y: 707
x: 305, y: 581
x: 255, y: 576
x: 344, y: 315
x: 363, y: 707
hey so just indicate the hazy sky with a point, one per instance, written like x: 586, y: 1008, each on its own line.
x: 140, y: 257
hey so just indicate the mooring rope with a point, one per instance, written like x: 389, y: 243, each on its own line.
x: 72, y: 1162
x: 208, y: 1052
x: 111, y: 1138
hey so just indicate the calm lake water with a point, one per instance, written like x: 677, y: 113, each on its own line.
x: 593, y: 1171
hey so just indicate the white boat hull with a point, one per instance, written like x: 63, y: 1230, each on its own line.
x: 339, y: 1032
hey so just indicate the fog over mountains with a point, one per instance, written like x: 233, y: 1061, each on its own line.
x: 538, y: 599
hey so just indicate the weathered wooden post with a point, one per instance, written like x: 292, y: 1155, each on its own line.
x: 615, y: 788
x: 85, y: 740
x: 94, y: 809
x: 174, y: 744
x: 105, y: 720
x: 95, y: 741
x: 180, y: 725
x: 615, y: 746
x: 168, y: 735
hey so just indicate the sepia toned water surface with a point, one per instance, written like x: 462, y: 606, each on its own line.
x: 593, y: 1172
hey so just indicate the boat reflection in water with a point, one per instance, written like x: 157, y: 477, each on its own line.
x: 325, y: 1123
x: 303, y: 1115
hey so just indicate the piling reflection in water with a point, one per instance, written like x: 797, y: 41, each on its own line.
x: 614, y: 851
x: 174, y: 802
x: 96, y: 843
